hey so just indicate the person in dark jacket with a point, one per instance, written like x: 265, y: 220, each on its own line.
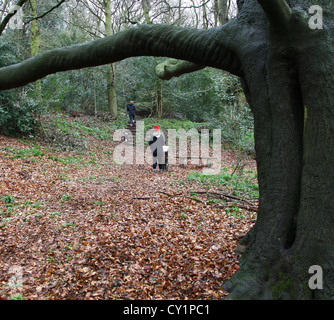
x: 131, y: 108
x: 156, y: 143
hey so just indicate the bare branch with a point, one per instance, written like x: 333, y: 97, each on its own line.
x: 47, y: 12
x: 4, y: 7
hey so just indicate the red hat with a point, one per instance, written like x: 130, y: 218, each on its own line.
x: 156, y: 128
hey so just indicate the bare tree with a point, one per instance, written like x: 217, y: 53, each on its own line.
x: 221, y: 9
x: 112, y: 97
x: 35, y: 41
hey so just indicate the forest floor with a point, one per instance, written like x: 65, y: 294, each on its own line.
x: 76, y: 225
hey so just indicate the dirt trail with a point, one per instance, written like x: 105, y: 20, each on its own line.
x: 79, y: 226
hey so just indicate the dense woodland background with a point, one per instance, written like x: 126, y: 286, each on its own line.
x: 210, y: 97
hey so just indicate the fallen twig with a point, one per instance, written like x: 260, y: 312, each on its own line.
x: 181, y: 195
x: 254, y: 209
x: 250, y: 206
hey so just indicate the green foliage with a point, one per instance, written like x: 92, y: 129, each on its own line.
x: 17, y: 111
x: 234, y: 212
x: 120, y: 123
x: 168, y: 123
x: 56, y: 213
x: 136, y: 80
x: 66, y: 197
x: 76, y: 90
x: 18, y: 296
x: 192, y: 95
x: 242, y: 185
x: 25, y: 154
x: 67, y: 134
x: 8, y: 199
x: 17, y: 117
x: 182, y: 215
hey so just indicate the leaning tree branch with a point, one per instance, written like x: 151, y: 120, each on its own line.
x: 278, y: 12
x: 208, y: 47
x: 174, y: 68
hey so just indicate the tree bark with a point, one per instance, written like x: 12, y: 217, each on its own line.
x: 221, y: 11
x: 294, y: 229
x: 158, y: 84
x: 35, y: 43
x: 112, y: 95
x: 315, y: 225
x: 111, y: 88
x: 159, y: 98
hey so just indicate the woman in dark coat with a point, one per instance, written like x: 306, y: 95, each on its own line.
x: 156, y: 143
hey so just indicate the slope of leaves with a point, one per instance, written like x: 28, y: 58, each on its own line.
x: 78, y: 226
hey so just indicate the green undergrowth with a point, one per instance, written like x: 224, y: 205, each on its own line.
x: 166, y: 124
x: 25, y: 154
x: 67, y: 133
x: 242, y: 184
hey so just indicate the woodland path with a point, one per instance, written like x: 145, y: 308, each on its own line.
x: 78, y: 226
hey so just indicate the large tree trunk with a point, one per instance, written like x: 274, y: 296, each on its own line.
x: 294, y: 229
x: 146, y: 5
x: 286, y: 67
x: 111, y: 88
x: 221, y: 11
x: 35, y: 43
x: 314, y: 237
x: 159, y: 98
